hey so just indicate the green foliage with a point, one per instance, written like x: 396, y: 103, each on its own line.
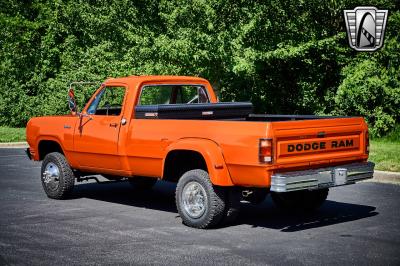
x: 371, y: 88
x: 112, y: 97
x: 392, y: 136
x: 285, y: 56
x: 155, y: 95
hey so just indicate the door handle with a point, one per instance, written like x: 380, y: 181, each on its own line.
x: 113, y: 125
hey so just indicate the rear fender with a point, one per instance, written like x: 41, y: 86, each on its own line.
x: 212, y: 154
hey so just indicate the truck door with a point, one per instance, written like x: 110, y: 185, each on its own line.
x: 96, y: 135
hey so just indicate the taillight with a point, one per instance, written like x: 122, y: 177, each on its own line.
x: 366, y: 142
x: 265, y: 151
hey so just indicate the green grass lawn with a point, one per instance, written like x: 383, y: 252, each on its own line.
x: 8, y: 134
x: 385, y: 155
x: 385, y: 152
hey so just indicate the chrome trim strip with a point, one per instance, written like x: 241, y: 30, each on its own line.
x: 320, y: 178
x: 151, y: 114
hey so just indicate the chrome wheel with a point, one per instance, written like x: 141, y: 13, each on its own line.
x: 194, y: 199
x: 51, y: 176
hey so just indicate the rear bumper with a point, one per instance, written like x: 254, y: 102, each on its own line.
x: 322, y: 178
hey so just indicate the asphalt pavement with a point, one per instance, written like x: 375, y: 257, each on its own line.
x: 114, y: 224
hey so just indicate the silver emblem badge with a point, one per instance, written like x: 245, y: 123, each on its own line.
x: 365, y: 27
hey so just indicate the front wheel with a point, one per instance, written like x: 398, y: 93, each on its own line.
x: 302, y: 200
x: 57, y: 176
x: 199, y: 203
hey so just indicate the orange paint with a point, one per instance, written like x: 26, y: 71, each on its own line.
x: 102, y: 144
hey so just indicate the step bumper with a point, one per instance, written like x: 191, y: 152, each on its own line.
x: 322, y: 177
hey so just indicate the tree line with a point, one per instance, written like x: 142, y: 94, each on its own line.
x: 286, y: 57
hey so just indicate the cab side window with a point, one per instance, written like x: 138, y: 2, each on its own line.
x: 108, y: 101
x: 191, y: 94
x: 173, y: 94
x: 155, y: 95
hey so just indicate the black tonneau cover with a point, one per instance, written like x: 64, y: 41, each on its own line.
x: 271, y: 118
x: 229, y: 110
x: 213, y: 111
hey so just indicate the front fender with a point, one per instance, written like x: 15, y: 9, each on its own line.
x: 212, y: 154
x: 47, y: 138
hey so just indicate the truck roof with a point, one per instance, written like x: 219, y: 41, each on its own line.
x: 155, y: 78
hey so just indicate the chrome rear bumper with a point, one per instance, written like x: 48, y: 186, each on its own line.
x: 322, y: 177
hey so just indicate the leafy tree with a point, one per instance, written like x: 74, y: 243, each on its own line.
x: 284, y: 56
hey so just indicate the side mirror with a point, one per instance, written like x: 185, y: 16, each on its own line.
x: 71, y: 101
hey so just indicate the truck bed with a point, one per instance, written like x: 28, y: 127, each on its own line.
x: 238, y: 111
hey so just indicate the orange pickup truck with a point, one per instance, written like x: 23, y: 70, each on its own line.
x: 148, y: 128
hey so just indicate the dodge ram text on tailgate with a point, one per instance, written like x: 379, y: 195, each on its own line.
x: 146, y: 128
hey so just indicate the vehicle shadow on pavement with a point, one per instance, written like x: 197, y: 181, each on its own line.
x: 330, y: 213
x: 162, y: 198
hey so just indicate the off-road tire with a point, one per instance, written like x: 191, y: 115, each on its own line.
x: 214, y: 205
x: 140, y: 182
x: 303, y: 200
x: 66, y: 176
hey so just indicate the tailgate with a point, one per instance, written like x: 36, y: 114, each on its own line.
x: 319, y: 141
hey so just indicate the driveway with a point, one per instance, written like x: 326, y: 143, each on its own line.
x: 114, y: 224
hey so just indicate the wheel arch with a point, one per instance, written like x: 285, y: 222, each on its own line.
x: 48, y: 144
x: 197, y: 149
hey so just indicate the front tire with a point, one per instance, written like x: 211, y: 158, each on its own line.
x: 199, y: 203
x: 57, y: 176
x: 302, y: 200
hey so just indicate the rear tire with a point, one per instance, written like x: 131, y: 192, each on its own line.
x: 199, y: 203
x: 57, y: 176
x: 141, y: 182
x: 303, y: 200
